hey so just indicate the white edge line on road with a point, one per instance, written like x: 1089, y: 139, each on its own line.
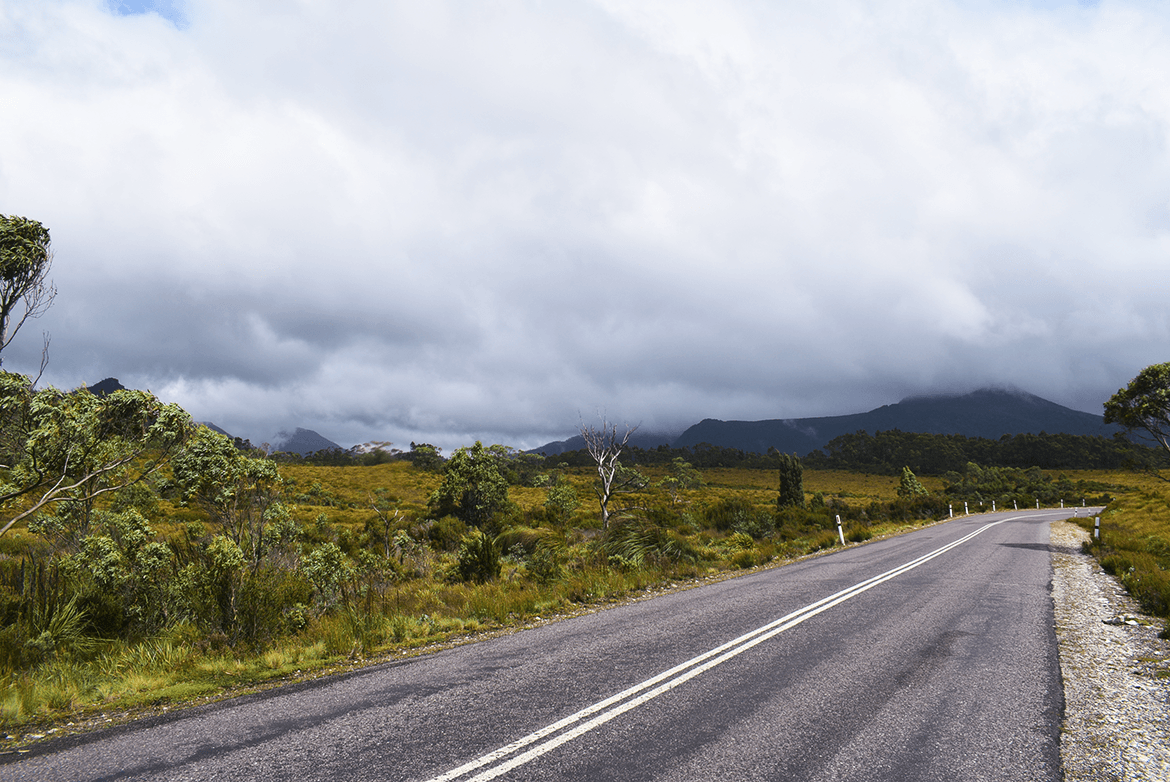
x: 680, y: 674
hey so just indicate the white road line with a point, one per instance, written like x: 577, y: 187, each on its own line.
x: 669, y: 679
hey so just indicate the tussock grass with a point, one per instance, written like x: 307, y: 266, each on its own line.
x: 1135, y: 543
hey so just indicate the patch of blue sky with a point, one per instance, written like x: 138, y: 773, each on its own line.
x: 171, y: 10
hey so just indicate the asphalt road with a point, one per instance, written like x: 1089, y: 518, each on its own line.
x: 930, y: 656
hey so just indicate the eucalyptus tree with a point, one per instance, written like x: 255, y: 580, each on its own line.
x: 473, y: 488
x: 240, y: 493
x: 73, y: 447
x: 25, y: 260
x: 1143, y: 408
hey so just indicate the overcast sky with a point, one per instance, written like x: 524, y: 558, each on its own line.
x: 443, y: 221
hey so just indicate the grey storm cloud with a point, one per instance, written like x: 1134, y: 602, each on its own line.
x: 440, y: 221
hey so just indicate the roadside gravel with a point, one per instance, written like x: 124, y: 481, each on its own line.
x: 1117, y: 706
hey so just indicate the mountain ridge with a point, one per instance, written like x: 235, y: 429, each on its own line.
x: 302, y: 442
x: 988, y: 413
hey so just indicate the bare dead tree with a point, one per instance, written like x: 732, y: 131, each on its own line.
x: 605, y: 446
x: 44, y: 359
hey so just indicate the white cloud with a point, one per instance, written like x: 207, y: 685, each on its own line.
x: 429, y: 221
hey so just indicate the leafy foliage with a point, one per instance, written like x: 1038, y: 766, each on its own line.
x: 237, y: 491
x: 25, y: 259
x: 1025, y: 487
x: 1143, y: 408
x: 75, y: 447
x: 683, y: 476
x: 426, y: 457
x: 472, y: 489
x: 479, y: 557
x: 791, y: 482
x: 910, y: 486
x: 562, y: 499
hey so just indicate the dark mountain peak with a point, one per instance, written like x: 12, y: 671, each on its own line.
x: 302, y: 441
x: 107, y: 386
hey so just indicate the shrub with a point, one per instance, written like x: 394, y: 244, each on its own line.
x: 744, y: 559
x: 479, y: 558
x: 910, y: 485
x: 637, y: 542
x: 823, y: 540
x: 728, y: 512
x: 791, y: 482
x: 857, y: 534
x: 545, y: 565
x: 325, y: 568
x: 760, y: 524
x: 446, y: 533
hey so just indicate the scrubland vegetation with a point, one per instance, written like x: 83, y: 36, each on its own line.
x: 225, y: 569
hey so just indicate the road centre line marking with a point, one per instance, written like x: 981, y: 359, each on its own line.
x: 669, y: 679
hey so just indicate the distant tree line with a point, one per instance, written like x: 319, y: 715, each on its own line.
x: 887, y: 453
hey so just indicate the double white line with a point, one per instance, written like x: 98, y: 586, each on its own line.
x: 603, y: 711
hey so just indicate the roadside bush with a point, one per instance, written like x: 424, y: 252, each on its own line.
x: 857, y: 534
x: 728, y: 512
x: 546, y: 566
x: 795, y: 522
x: 639, y: 542
x: 744, y: 559
x: 760, y: 524
x: 270, y: 602
x: 1140, y: 573
x: 823, y: 540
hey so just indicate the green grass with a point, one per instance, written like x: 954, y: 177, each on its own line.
x: 1135, y: 543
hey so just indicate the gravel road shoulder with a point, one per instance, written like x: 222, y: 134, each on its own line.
x: 1115, y: 669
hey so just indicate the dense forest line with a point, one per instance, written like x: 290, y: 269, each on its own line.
x: 886, y: 453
